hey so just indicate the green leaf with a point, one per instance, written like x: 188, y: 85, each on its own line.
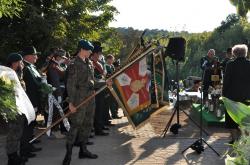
x: 239, y: 112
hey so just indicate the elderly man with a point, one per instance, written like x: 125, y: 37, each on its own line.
x: 32, y: 79
x: 207, y: 63
x: 236, y: 83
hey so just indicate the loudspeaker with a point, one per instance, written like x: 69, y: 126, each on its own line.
x: 176, y: 48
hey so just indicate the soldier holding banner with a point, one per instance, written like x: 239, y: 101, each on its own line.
x: 80, y: 85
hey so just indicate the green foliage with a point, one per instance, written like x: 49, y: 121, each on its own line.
x: 46, y: 89
x: 242, y: 6
x: 57, y: 23
x: 242, y: 147
x: 129, y: 38
x: 111, y: 41
x: 230, y: 21
x: 240, y: 113
x: 233, y: 30
x: 8, y: 109
x: 10, y: 8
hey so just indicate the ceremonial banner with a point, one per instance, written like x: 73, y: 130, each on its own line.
x: 133, y: 85
x: 133, y: 91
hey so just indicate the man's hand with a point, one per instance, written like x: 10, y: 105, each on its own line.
x: 109, y: 82
x: 72, y: 108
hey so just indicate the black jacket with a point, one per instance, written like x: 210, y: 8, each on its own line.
x: 236, y: 84
x: 55, y: 79
x: 32, y: 80
x: 206, y: 65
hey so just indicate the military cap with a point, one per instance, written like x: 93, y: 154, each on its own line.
x: 97, y: 47
x: 86, y: 45
x: 30, y: 50
x: 14, y: 57
x: 60, y: 53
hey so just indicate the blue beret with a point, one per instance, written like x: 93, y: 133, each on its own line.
x: 84, y: 44
x: 14, y: 57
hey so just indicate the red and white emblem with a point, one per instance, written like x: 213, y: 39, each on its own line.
x: 133, y: 84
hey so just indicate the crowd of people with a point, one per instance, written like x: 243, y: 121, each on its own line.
x: 234, y: 70
x: 73, y: 79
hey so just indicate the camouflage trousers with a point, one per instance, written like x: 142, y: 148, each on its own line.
x: 81, y: 124
x: 15, y: 133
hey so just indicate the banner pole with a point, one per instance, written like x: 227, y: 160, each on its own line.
x: 130, y: 62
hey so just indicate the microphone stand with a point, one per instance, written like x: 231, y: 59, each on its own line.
x: 198, y: 144
x: 174, y: 128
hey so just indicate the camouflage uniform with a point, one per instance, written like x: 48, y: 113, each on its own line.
x: 80, y: 85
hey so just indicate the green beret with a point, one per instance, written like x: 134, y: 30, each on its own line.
x: 86, y: 45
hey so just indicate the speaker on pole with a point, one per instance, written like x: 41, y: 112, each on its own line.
x: 176, y: 48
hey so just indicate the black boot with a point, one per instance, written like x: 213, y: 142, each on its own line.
x: 14, y: 159
x: 84, y: 153
x: 67, y: 158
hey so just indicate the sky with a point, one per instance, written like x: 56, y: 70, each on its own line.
x: 173, y: 15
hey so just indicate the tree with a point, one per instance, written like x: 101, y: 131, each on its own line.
x: 57, y: 23
x: 10, y: 8
x: 243, y: 6
x: 230, y: 21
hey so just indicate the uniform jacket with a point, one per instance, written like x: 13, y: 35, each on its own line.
x: 55, y: 79
x: 32, y: 79
x: 110, y: 69
x: 80, y: 80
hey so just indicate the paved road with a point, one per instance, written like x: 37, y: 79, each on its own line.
x: 126, y: 146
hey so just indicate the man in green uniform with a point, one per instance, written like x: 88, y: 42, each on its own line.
x: 80, y: 85
x: 110, y: 102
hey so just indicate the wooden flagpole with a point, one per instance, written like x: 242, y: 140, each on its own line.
x: 147, y: 51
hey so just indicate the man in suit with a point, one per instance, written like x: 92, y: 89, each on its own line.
x: 206, y: 65
x: 236, y: 83
x: 32, y: 79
